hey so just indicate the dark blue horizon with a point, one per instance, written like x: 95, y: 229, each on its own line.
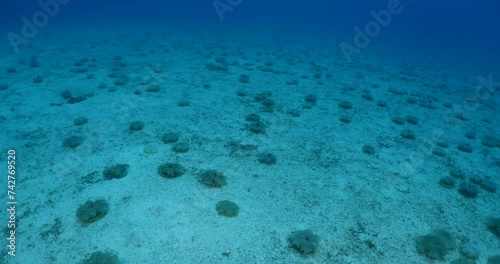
x: 463, y: 25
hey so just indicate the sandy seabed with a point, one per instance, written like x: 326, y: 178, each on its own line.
x: 345, y: 173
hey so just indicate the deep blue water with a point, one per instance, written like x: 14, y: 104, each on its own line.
x: 460, y: 31
x: 453, y: 22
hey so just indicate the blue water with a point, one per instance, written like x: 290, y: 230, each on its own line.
x: 377, y: 124
x: 468, y: 28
